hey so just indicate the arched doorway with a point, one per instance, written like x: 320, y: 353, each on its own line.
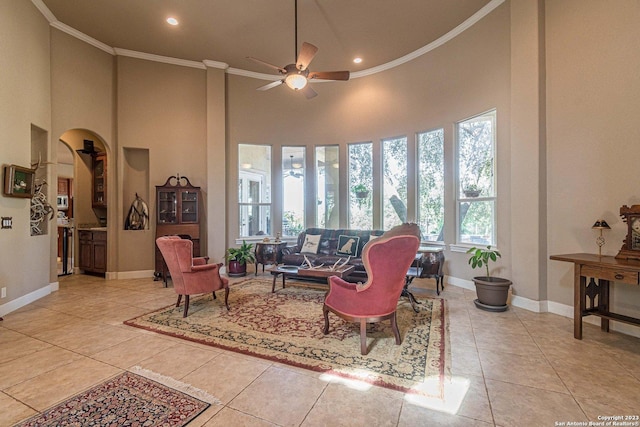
x: 82, y: 160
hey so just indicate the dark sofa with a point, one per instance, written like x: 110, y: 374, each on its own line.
x: 327, y: 252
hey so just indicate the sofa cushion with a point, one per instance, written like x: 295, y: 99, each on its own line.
x: 311, y: 244
x: 348, y: 245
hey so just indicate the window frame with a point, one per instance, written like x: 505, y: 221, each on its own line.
x: 460, y: 198
x: 418, y: 172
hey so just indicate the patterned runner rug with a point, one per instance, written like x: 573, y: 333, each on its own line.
x: 127, y: 400
x: 286, y: 326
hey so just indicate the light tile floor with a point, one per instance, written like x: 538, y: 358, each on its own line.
x: 515, y: 368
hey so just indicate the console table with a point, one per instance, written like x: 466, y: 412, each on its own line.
x: 601, y: 271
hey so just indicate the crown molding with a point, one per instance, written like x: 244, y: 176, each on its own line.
x: 82, y: 36
x: 484, y: 11
x: 49, y: 16
x: 159, y: 58
x: 216, y: 64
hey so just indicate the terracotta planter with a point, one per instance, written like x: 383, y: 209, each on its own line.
x: 235, y: 269
x: 492, y: 293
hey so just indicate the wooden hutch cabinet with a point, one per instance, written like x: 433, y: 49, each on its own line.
x: 99, y: 184
x: 178, y: 213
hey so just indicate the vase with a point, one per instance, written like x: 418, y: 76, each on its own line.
x: 492, y: 292
x: 236, y: 269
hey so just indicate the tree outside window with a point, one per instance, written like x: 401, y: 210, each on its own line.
x: 431, y: 184
x: 394, y: 174
x: 476, y: 179
x: 360, y: 186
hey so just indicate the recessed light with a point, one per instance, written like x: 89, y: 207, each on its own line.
x: 357, y: 60
x: 172, y: 21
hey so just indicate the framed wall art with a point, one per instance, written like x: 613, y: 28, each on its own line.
x: 19, y: 181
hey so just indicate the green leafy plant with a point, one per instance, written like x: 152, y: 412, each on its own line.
x: 244, y: 254
x: 481, y: 257
x: 359, y: 188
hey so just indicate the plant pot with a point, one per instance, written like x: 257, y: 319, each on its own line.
x: 235, y: 269
x: 362, y: 194
x: 492, y: 293
x: 471, y: 193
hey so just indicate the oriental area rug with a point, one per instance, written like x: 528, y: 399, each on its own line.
x: 128, y: 399
x: 286, y: 327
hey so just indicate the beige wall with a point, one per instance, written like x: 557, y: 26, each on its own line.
x: 162, y: 108
x: 593, y: 99
x: 25, y: 100
x: 464, y: 77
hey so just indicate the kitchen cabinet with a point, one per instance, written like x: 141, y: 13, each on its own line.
x: 99, y: 181
x: 93, y: 251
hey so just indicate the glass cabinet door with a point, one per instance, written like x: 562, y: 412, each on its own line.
x: 99, y: 182
x: 167, y: 206
x: 189, y: 206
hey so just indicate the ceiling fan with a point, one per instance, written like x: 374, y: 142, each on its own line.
x: 297, y: 75
x: 296, y: 166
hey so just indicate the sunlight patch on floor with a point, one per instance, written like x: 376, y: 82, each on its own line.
x: 349, y: 382
x: 455, y: 389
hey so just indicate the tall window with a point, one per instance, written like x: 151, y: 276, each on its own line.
x: 327, y: 187
x: 254, y: 189
x: 293, y: 161
x: 394, y: 184
x: 476, y: 199
x: 431, y: 184
x: 360, y: 186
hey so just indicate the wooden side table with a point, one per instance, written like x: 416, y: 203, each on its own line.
x: 268, y: 253
x: 592, y: 299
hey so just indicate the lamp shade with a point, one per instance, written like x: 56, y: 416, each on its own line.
x: 601, y: 224
x: 296, y: 81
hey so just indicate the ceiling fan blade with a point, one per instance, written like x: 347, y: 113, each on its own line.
x: 270, y: 85
x: 306, y: 55
x: 329, y: 75
x: 275, y: 67
x: 308, y: 91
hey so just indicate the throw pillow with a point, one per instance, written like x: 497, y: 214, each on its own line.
x: 310, y: 244
x: 348, y: 245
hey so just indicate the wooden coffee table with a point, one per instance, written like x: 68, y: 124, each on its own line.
x: 316, y: 273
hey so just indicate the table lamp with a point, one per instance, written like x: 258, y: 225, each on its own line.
x: 600, y: 224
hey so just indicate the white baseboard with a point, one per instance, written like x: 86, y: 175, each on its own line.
x: 550, y: 307
x: 20, y: 302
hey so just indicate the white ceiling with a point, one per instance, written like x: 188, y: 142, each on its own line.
x: 228, y: 31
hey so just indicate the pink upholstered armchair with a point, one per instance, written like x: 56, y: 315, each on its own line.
x: 386, y: 260
x: 191, y: 275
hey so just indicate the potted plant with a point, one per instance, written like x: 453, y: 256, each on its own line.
x: 492, y: 291
x: 361, y: 191
x: 237, y: 259
x: 471, y: 190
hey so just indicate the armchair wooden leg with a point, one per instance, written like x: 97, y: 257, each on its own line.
x: 396, y: 331
x: 186, y: 305
x: 363, y: 336
x: 325, y: 312
x: 214, y: 294
x: 226, y: 297
x: 179, y: 299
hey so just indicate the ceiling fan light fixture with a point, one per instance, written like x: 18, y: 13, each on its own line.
x: 295, y: 81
